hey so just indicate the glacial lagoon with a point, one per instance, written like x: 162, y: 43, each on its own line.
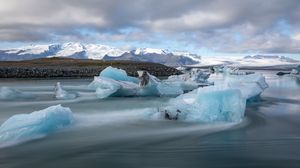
x: 118, y: 132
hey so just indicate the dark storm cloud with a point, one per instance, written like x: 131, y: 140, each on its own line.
x: 204, y: 23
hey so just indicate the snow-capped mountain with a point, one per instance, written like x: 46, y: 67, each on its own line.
x: 98, y: 52
x: 163, y: 56
x: 144, y: 51
x: 72, y: 50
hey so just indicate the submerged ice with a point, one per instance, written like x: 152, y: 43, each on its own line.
x: 23, y: 127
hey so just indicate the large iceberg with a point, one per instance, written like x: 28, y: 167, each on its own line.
x: 116, y: 82
x: 224, y: 102
x: 206, y: 105
x: 23, y: 127
x: 7, y: 93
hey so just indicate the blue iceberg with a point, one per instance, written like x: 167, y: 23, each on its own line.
x: 24, y: 127
x: 116, y: 82
x: 220, y: 103
x: 208, y: 104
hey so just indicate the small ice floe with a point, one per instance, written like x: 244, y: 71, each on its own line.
x: 61, y: 94
x: 7, y: 93
x: 24, y: 127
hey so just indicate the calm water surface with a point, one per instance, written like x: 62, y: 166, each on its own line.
x: 115, y: 132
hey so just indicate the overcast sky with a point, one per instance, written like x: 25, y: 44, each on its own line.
x: 202, y: 26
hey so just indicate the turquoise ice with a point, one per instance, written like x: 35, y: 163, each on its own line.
x: 23, y: 127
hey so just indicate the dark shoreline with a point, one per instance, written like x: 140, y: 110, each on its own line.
x: 76, y: 68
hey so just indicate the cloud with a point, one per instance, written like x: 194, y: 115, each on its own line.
x: 222, y: 26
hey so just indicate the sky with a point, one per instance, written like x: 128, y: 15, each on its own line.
x: 205, y: 27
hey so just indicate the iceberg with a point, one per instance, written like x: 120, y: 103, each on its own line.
x: 106, y: 87
x: 116, y: 82
x: 220, y: 103
x: 7, y: 93
x: 250, y: 85
x: 210, y: 104
x: 24, y: 127
x: 61, y: 94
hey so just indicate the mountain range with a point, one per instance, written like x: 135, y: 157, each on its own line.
x: 99, y: 52
x: 162, y: 56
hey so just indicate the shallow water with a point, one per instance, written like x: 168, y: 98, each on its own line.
x: 115, y: 132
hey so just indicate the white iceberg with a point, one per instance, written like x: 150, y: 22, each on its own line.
x: 220, y: 103
x: 250, y: 85
x: 24, y: 127
x: 62, y: 94
x: 106, y: 87
x: 7, y: 93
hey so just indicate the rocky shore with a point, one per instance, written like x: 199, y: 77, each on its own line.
x: 76, y: 68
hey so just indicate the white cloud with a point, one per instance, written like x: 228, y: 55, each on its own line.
x: 200, y: 23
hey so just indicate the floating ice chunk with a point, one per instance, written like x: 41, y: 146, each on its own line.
x: 223, y: 102
x: 117, y: 74
x: 208, y: 104
x: 7, y: 93
x: 24, y: 127
x: 250, y: 85
x: 106, y: 87
x: 61, y: 94
x: 190, y: 81
x: 116, y: 82
x: 195, y: 75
